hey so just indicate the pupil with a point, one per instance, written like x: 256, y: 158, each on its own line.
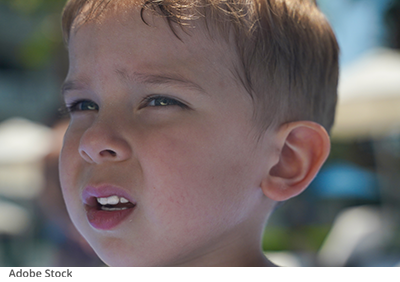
x: 88, y: 106
x: 163, y: 102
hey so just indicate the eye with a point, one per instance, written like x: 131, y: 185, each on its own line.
x: 82, y: 105
x: 162, y: 101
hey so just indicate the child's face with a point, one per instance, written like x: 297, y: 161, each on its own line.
x: 163, y: 123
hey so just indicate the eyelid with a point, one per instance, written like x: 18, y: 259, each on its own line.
x: 151, y: 98
x: 72, y: 106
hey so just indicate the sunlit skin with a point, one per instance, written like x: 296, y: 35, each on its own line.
x: 166, y: 121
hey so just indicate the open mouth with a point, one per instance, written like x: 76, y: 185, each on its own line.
x: 106, y: 213
x: 113, y: 203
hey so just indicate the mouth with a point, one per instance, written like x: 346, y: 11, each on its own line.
x: 106, y: 208
x: 113, y: 203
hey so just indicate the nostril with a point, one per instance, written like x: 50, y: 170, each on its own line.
x: 98, y: 150
x: 108, y: 153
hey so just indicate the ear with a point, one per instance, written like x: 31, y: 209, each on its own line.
x: 303, y: 147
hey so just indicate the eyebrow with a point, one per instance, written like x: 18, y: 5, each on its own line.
x: 71, y: 85
x: 143, y: 78
x: 155, y: 79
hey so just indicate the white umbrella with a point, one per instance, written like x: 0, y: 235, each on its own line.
x: 369, y: 97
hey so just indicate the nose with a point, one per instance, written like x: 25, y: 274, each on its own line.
x: 103, y: 142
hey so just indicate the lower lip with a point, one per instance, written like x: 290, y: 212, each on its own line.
x: 107, y: 220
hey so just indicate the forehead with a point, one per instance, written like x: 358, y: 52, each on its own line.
x: 125, y: 37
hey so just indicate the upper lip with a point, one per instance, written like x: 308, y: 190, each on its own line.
x: 92, y: 192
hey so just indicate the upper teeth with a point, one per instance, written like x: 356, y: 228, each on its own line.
x: 112, y: 200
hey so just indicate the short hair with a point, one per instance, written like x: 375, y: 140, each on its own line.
x: 287, y: 51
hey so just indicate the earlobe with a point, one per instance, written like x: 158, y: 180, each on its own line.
x: 303, y: 148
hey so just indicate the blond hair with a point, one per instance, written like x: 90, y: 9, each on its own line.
x: 287, y: 50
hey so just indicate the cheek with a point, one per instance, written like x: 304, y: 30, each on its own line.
x: 68, y: 157
x: 69, y: 167
x: 195, y: 176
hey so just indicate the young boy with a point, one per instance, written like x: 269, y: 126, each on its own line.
x: 190, y: 120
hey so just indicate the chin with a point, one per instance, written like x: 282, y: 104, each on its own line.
x: 123, y: 256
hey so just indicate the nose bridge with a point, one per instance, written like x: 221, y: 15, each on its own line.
x: 105, y: 140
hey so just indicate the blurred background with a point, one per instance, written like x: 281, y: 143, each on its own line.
x: 349, y: 216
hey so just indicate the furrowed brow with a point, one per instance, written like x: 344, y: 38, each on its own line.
x: 159, y: 80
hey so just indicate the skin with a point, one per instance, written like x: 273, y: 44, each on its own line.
x: 196, y: 172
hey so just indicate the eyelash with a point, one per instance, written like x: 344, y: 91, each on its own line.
x: 74, y: 106
x: 169, y: 101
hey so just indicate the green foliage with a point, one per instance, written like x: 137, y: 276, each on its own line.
x: 276, y: 239
x: 38, y: 48
x: 302, y: 238
x: 29, y: 7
